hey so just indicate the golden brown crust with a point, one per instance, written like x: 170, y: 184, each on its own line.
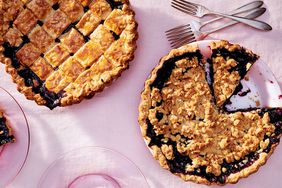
x: 90, y: 51
x: 25, y: 21
x: 226, y: 81
x: 27, y: 91
x: 41, y: 8
x: 187, y: 110
x: 72, y: 41
x: 56, y: 23
x: 84, y: 86
x: 72, y: 9
x: 13, y: 36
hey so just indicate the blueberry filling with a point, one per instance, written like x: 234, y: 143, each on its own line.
x: 159, y: 103
x: 159, y: 116
x: 25, y: 40
x: 237, y: 90
x: 179, y: 162
x: 11, y: 24
x: 244, y: 93
x: 40, y: 23
x: 9, y: 51
x: 165, y: 71
x: 102, y: 22
x: 155, y: 139
x: 4, y: 136
x: 72, y: 25
x: 86, y: 8
x: 114, y: 4
x: 56, y: 6
x: 241, y: 56
x: 86, y: 38
x: 116, y: 37
x: 30, y: 78
x: 210, y: 77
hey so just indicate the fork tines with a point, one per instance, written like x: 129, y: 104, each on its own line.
x: 180, y: 35
x: 185, y: 6
x: 177, y: 30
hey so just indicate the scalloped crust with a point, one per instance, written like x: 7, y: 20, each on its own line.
x: 69, y: 99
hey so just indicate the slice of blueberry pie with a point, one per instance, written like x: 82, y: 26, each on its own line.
x: 186, y: 126
x: 62, y: 51
x: 5, y: 131
x: 229, y: 64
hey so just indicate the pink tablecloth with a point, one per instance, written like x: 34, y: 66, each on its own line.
x: 110, y: 119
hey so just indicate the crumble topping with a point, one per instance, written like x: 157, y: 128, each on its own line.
x: 187, y: 110
x: 5, y: 131
x: 188, y: 130
x: 230, y: 63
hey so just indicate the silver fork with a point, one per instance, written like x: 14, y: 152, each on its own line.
x: 200, y: 11
x: 191, y: 33
x: 184, y: 30
x: 239, y: 10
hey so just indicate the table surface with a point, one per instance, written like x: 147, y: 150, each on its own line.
x: 110, y: 118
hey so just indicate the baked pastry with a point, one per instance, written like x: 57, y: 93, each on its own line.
x: 186, y: 125
x: 229, y: 65
x: 62, y: 51
x: 5, y: 131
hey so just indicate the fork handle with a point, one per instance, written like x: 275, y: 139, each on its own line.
x: 239, y: 10
x: 253, y: 23
x: 251, y: 15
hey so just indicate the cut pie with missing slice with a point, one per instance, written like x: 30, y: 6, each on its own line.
x: 62, y: 51
x: 229, y: 65
x: 187, y: 129
x: 5, y: 131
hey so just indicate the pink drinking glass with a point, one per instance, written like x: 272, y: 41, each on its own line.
x: 93, y: 167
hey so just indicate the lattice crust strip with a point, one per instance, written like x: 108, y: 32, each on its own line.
x: 61, y: 51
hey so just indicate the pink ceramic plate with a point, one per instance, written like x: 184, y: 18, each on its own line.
x: 91, y: 167
x: 13, y: 155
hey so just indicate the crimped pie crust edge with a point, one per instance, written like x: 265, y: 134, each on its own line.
x: 131, y: 29
x: 156, y: 151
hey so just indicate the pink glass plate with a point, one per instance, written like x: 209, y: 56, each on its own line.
x: 13, y: 155
x: 93, y: 167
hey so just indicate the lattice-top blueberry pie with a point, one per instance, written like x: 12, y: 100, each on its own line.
x: 187, y: 127
x: 62, y: 51
x: 5, y: 131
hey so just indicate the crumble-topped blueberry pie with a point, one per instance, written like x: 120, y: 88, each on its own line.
x: 5, y: 131
x: 62, y: 51
x: 186, y: 126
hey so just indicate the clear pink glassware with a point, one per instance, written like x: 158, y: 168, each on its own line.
x: 93, y: 167
x: 13, y: 155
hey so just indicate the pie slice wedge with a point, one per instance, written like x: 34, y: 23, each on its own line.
x: 229, y: 65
